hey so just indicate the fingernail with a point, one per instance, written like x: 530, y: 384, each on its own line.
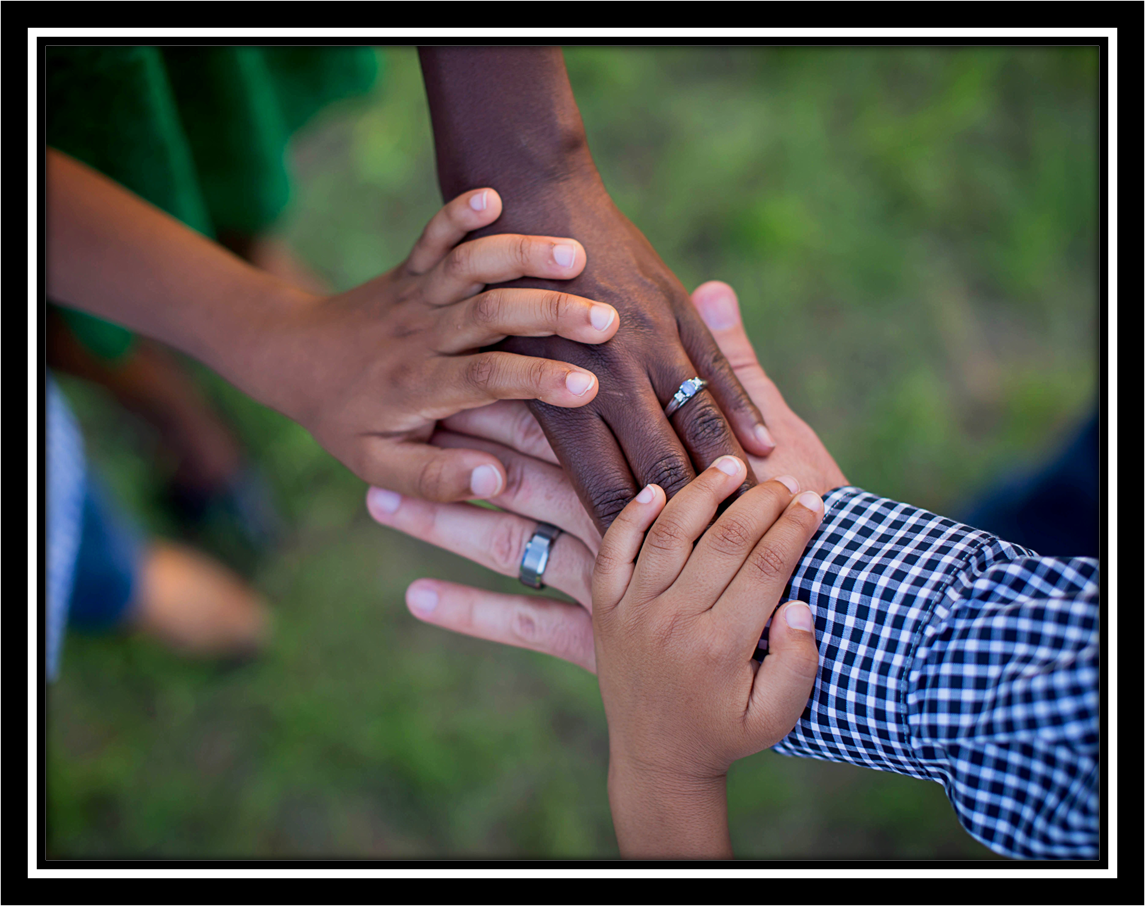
x: 811, y: 500
x: 564, y: 255
x: 789, y: 481
x: 729, y: 465
x: 479, y: 201
x: 578, y: 382
x: 720, y: 311
x: 601, y: 316
x: 764, y: 436
x: 646, y: 495
x: 798, y: 616
x: 422, y: 599
x: 485, y: 481
x: 382, y: 501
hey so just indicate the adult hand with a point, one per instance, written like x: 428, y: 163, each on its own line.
x: 662, y: 341
x: 537, y: 490
x: 507, y: 117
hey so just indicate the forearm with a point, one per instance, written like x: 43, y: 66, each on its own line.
x: 114, y: 255
x: 504, y: 117
x: 950, y: 655
x: 668, y: 818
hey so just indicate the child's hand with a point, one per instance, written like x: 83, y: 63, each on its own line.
x: 675, y: 629
x: 370, y: 371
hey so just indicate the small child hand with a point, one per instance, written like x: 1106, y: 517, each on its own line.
x: 369, y: 372
x: 675, y: 628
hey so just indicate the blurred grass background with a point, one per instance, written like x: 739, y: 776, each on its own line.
x: 912, y: 233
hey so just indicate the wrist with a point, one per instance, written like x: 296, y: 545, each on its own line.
x: 252, y: 348
x: 662, y: 814
x: 557, y: 196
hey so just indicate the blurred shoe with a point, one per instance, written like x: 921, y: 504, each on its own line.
x: 197, y: 606
x: 243, y: 502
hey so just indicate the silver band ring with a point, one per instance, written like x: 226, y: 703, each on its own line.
x: 687, y: 390
x: 536, y: 556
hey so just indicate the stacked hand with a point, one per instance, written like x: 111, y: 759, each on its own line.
x: 677, y: 613
x: 538, y: 490
x: 369, y: 372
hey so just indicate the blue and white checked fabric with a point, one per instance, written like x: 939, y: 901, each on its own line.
x: 950, y: 655
x: 66, y: 481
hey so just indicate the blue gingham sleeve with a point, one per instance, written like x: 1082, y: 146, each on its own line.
x: 948, y: 654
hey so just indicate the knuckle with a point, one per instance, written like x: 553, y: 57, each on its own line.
x: 487, y: 308
x: 730, y: 535
x: 803, y: 661
x: 522, y: 250
x: 527, y: 432
x: 537, y: 375
x: 554, y: 306
x: 514, y: 478
x: 479, y: 372
x: 605, y: 563
x: 803, y: 518
x: 606, y: 501
x: 706, y: 425
x: 714, y: 644
x: 526, y: 627
x: 671, y: 472
x: 767, y: 563
x: 431, y: 479
x: 459, y: 263
x: 666, y: 535
x: 507, y: 545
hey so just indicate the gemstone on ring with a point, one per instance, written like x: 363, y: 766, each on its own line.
x: 687, y: 390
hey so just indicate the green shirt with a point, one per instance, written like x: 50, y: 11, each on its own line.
x: 200, y: 132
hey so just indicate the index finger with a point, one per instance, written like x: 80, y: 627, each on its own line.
x: 467, y: 212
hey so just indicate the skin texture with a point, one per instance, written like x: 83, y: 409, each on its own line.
x: 538, y: 489
x: 675, y: 618
x: 368, y: 372
x: 506, y: 117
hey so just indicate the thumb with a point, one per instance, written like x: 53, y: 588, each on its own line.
x: 431, y: 473
x: 719, y: 308
x: 786, y: 678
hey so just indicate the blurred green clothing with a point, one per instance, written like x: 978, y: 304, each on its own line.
x: 200, y: 132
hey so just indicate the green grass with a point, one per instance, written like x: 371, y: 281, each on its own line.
x: 913, y: 237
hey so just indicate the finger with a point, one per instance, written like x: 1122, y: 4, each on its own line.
x: 491, y: 316
x: 784, y: 681
x: 616, y: 559
x: 699, y: 423
x: 603, y: 482
x: 507, y: 422
x: 669, y: 542
x: 466, y: 382
x: 430, y: 473
x: 726, y: 545
x: 731, y: 398
x: 523, y: 621
x: 467, y: 212
x: 533, y: 489
x: 747, y: 604
x: 490, y: 538
x: 718, y: 307
x: 624, y: 444
x: 497, y: 259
